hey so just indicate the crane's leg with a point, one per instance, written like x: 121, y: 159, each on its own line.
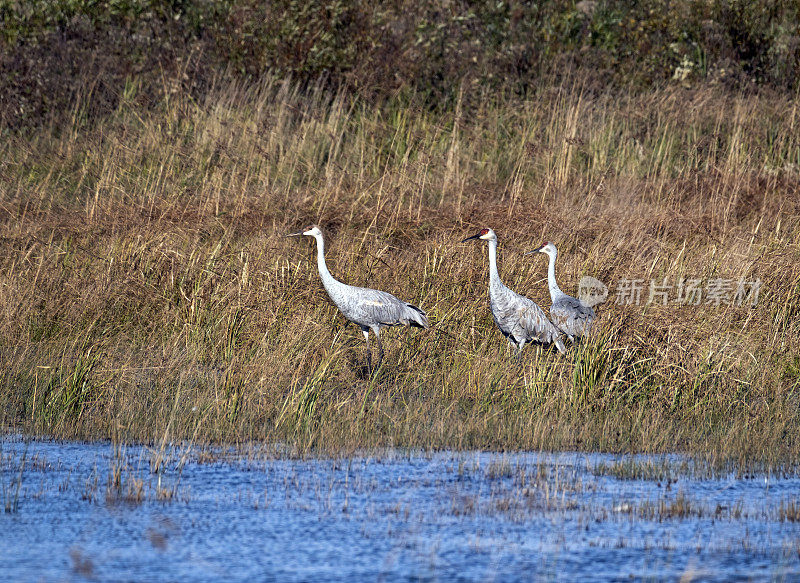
x: 519, y: 351
x: 369, y: 352
x: 512, y: 347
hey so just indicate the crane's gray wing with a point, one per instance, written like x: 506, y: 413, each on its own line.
x: 523, y: 320
x: 571, y: 316
x: 371, y: 307
x: 535, y: 324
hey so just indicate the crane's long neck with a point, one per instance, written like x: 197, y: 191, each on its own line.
x: 327, y: 279
x: 555, y: 291
x: 494, y: 275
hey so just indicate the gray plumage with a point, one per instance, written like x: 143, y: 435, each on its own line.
x: 370, y: 309
x: 519, y: 318
x: 569, y: 314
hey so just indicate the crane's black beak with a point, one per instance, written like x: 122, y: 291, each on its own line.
x: 534, y: 251
x: 297, y: 234
x: 470, y: 238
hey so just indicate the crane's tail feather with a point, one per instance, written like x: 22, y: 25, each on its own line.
x: 416, y: 317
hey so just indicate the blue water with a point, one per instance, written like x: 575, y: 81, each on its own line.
x: 259, y: 514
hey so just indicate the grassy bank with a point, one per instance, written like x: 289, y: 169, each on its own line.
x: 146, y: 288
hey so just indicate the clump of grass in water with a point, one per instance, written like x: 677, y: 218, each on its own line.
x: 121, y: 483
x: 789, y: 511
x: 662, y: 470
x: 11, y: 490
x: 498, y: 469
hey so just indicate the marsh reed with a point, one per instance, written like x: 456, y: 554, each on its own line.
x: 144, y: 280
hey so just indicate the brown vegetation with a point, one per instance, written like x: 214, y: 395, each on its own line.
x: 146, y: 289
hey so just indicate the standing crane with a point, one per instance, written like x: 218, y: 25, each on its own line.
x: 569, y: 314
x: 519, y: 319
x: 369, y: 308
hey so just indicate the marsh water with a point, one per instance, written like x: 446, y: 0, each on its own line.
x: 101, y: 512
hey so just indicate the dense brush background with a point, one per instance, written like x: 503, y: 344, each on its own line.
x: 153, y: 153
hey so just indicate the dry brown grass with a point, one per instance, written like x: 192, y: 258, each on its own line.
x: 145, y: 284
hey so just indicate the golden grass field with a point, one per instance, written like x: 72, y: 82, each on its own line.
x: 146, y: 288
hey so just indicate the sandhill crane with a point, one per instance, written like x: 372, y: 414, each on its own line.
x: 569, y: 314
x: 369, y: 308
x: 519, y: 319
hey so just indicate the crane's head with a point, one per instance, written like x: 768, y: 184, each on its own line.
x: 548, y: 249
x: 485, y: 234
x: 310, y: 230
